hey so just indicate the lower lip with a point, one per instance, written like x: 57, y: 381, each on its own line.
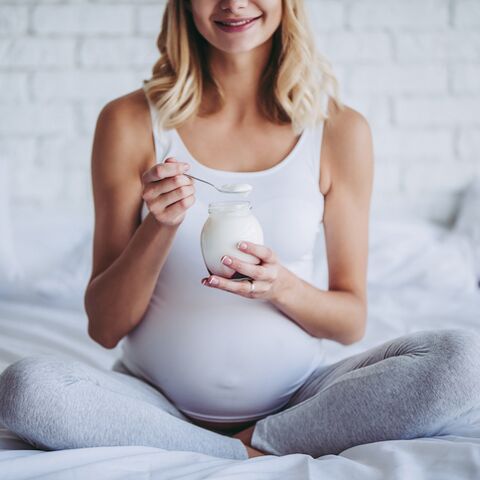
x: 237, y: 28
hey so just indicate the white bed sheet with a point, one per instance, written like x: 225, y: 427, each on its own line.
x: 28, y: 328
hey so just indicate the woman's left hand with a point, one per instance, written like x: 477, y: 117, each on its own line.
x: 267, y: 275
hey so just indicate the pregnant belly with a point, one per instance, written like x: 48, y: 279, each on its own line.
x: 219, y: 366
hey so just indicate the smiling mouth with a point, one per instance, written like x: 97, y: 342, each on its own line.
x: 237, y: 23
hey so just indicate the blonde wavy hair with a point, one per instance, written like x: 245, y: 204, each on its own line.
x: 295, y: 85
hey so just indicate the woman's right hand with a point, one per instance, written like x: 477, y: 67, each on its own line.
x: 167, y: 192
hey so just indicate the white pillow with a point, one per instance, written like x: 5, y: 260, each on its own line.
x: 52, y: 248
x: 419, y: 253
x: 467, y: 221
x: 9, y: 268
x: 410, y: 252
x: 44, y: 235
x: 66, y: 284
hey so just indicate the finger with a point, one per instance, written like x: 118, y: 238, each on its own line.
x: 264, y: 253
x: 153, y: 189
x: 257, y: 272
x: 179, y: 207
x: 240, y: 288
x: 164, y: 170
x: 169, y: 198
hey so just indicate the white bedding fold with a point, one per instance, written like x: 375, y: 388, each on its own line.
x: 32, y: 328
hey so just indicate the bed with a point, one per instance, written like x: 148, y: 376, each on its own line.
x: 421, y: 276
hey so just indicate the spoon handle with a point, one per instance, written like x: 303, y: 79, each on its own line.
x: 200, y: 180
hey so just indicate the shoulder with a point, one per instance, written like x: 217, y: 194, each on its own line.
x: 129, y: 112
x: 124, y: 124
x: 348, y: 145
x: 133, y: 102
x: 346, y: 125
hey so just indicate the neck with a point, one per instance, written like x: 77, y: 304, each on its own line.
x: 239, y: 75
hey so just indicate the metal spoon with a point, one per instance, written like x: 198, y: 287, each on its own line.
x: 227, y: 188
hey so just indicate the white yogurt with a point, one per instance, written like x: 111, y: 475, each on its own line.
x: 244, y: 188
x: 228, y: 223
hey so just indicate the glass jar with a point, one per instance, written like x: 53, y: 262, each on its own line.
x: 228, y: 223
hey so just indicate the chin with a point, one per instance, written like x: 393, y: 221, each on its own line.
x: 235, y: 47
x: 239, y: 49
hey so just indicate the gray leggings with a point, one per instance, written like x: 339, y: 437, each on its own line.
x: 408, y: 387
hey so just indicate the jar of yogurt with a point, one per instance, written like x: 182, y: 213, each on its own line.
x: 228, y: 223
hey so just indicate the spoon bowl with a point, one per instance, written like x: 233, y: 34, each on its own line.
x: 244, y: 188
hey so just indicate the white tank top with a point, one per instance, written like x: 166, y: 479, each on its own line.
x: 216, y: 355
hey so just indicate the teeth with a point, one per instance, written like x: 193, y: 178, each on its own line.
x: 235, y: 24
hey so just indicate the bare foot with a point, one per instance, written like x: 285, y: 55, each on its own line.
x: 252, y: 452
x: 246, y: 437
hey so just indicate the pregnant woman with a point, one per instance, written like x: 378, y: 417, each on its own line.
x: 233, y: 368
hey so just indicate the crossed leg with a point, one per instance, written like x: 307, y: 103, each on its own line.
x: 408, y: 387
x: 56, y: 403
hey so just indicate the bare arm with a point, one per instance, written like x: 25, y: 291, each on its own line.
x: 128, y: 254
x: 340, y: 312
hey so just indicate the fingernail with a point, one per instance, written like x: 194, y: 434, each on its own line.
x: 213, y: 281
x: 226, y: 260
x: 242, y: 245
x: 204, y: 281
x: 186, y: 166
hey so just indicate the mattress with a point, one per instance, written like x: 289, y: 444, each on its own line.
x: 421, y: 276
x: 30, y: 327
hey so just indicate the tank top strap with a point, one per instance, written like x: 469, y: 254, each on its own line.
x: 316, y: 140
x: 315, y: 135
x: 162, y: 142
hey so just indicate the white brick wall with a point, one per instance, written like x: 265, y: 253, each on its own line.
x: 412, y: 67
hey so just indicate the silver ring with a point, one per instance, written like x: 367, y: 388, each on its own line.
x: 252, y: 286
